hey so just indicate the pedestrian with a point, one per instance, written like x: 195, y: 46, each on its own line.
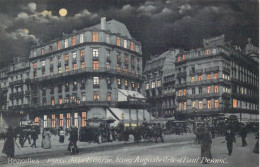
x: 21, y: 137
x: 256, y: 149
x: 197, y: 133
x: 34, y: 136
x: 212, y: 131
x: 205, y: 145
x: 9, y: 143
x: 73, y: 140
x: 46, y: 140
x: 159, y: 133
x: 230, y: 138
x: 61, y: 134
x: 26, y: 137
x: 243, y: 134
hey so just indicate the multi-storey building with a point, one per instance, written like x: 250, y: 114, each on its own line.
x: 159, y: 83
x: 218, y: 78
x: 78, y: 76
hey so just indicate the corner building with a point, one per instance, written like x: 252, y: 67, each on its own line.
x: 216, y: 80
x: 78, y: 76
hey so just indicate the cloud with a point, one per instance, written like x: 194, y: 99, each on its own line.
x: 184, y: 8
x: 32, y: 7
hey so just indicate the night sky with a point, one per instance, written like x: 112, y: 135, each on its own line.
x: 158, y: 25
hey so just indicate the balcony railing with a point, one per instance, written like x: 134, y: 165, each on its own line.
x: 211, y: 69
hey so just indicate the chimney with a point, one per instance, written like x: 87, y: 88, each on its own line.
x: 103, y: 23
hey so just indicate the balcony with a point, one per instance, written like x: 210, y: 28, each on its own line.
x: 211, y: 69
x: 181, y: 97
x: 95, y: 58
x: 126, y: 63
x: 66, y: 62
x: 82, y: 58
x: 226, y: 69
x: 181, y: 74
x: 74, y: 61
x: 59, y: 64
x: 197, y: 71
x: 19, y: 82
x: 119, y: 61
x: 108, y: 59
x: 96, y: 86
x: 82, y: 87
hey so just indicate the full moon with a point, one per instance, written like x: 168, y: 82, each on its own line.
x: 63, y: 12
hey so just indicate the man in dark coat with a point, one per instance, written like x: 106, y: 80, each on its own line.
x: 73, y: 139
x: 230, y: 138
x: 34, y: 136
x: 243, y: 134
x: 9, y: 143
x: 159, y: 133
x: 205, y: 145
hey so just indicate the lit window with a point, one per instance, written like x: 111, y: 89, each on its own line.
x: 81, y: 38
x: 178, y: 58
x: 209, y: 104
x: 153, y: 84
x: 118, y: 68
x: 192, y: 79
x: 117, y: 41
x: 96, y: 96
x: 95, y: 65
x: 132, y: 46
x: 74, y: 66
x: 82, y: 64
x: 66, y: 43
x: 193, y: 104
x: 179, y: 93
x: 60, y: 100
x: 76, y: 122
x: 216, y: 76
x: 147, y: 86
x: 208, y: 89
x: 45, y: 121
x: 61, y: 120
x: 107, y: 54
x: 95, y: 52
x: 199, y: 78
x: 50, y: 48
x: 200, y: 105
x: 207, y: 52
x: 42, y: 51
x: 58, y: 46
x: 208, y: 76
x: 66, y: 68
x: 66, y: 57
x: 125, y: 83
x: 234, y: 103
x: 184, y: 92
x: 73, y: 41
x: 82, y: 53
x: 118, y: 81
x: 183, y: 57
x: 125, y: 43
x: 179, y: 106
x: 83, y: 119
x: 36, y: 121
x: 216, y: 103
x: 133, y: 85
x: 132, y: 61
x: 216, y: 89
x: 158, y: 83
x: 96, y: 80
x: 34, y: 65
x: 108, y: 96
x: 94, y: 37
x: 74, y: 55
x: 184, y: 105
x: 68, y: 120
x: 59, y: 70
x: 53, y: 121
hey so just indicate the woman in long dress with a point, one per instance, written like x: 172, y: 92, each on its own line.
x: 46, y: 140
x: 9, y: 143
x: 205, y: 145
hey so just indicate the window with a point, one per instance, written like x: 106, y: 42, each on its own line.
x: 52, y: 101
x: 66, y: 58
x: 82, y: 54
x: 95, y: 65
x: 108, y: 96
x: 133, y: 84
x: 117, y: 41
x: 200, y: 90
x: 94, y: 37
x: 59, y: 70
x: 178, y: 58
x: 83, y: 97
x: 125, y: 70
x: 193, y: 91
x: 183, y: 57
x: 193, y: 104
x: 61, y: 120
x: 125, y: 83
x: 234, y: 103
x: 45, y: 123
x: 66, y: 68
x: 118, y: 81
x: 68, y: 120
x: 51, y: 61
x: 184, y: 92
x: 132, y: 61
x: 107, y: 39
x: 81, y: 38
x: 75, y: 66
x: 42, y: 51
x: 96, y: 80
x: 34, y: 65
x: 66, y: 43
x: 216, y: 103
x: 96, y: 96
x: 82, y: 64
x: 208, y: 76
x: 107, y: 65
x: 200, y: 105
x: 179, y: 106
x: 107, y: 54
x: 216, y: 89
x: 147, y: 86
x: 118, y: 57
x: 179, y: 93
x: 83, y: 119
x: 125, y: 43
x: 208, y: 89
x: 73, y: 41
x: 132, y: 46
x: 216, y: 76
x: 50, y: 48
x: 158, y: 83
x: 153, y: 84
x: 36, y: 121
x: 60, y: 100
x: 58, y: 46
x: 53, y: 121
x: 95, y: 52
x: 74, y: 55
x: 118, y: 68
x: 76, y: 122
x: 125, y: 59
x: 199, y: 78
x: 192, y: 79
x: 209, y: 104
x: 207, y: 52
x: 184, y: 105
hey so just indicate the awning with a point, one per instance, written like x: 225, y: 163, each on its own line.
x: 123, y: 95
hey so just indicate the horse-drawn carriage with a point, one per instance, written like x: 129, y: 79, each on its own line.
x: 177, y: 127
x: 97, y: 131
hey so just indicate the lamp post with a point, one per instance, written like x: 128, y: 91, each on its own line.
x: 21, y: 114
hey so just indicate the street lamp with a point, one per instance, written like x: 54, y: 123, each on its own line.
x: 21, y: 113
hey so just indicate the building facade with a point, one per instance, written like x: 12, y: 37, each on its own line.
x: 215, y: 80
